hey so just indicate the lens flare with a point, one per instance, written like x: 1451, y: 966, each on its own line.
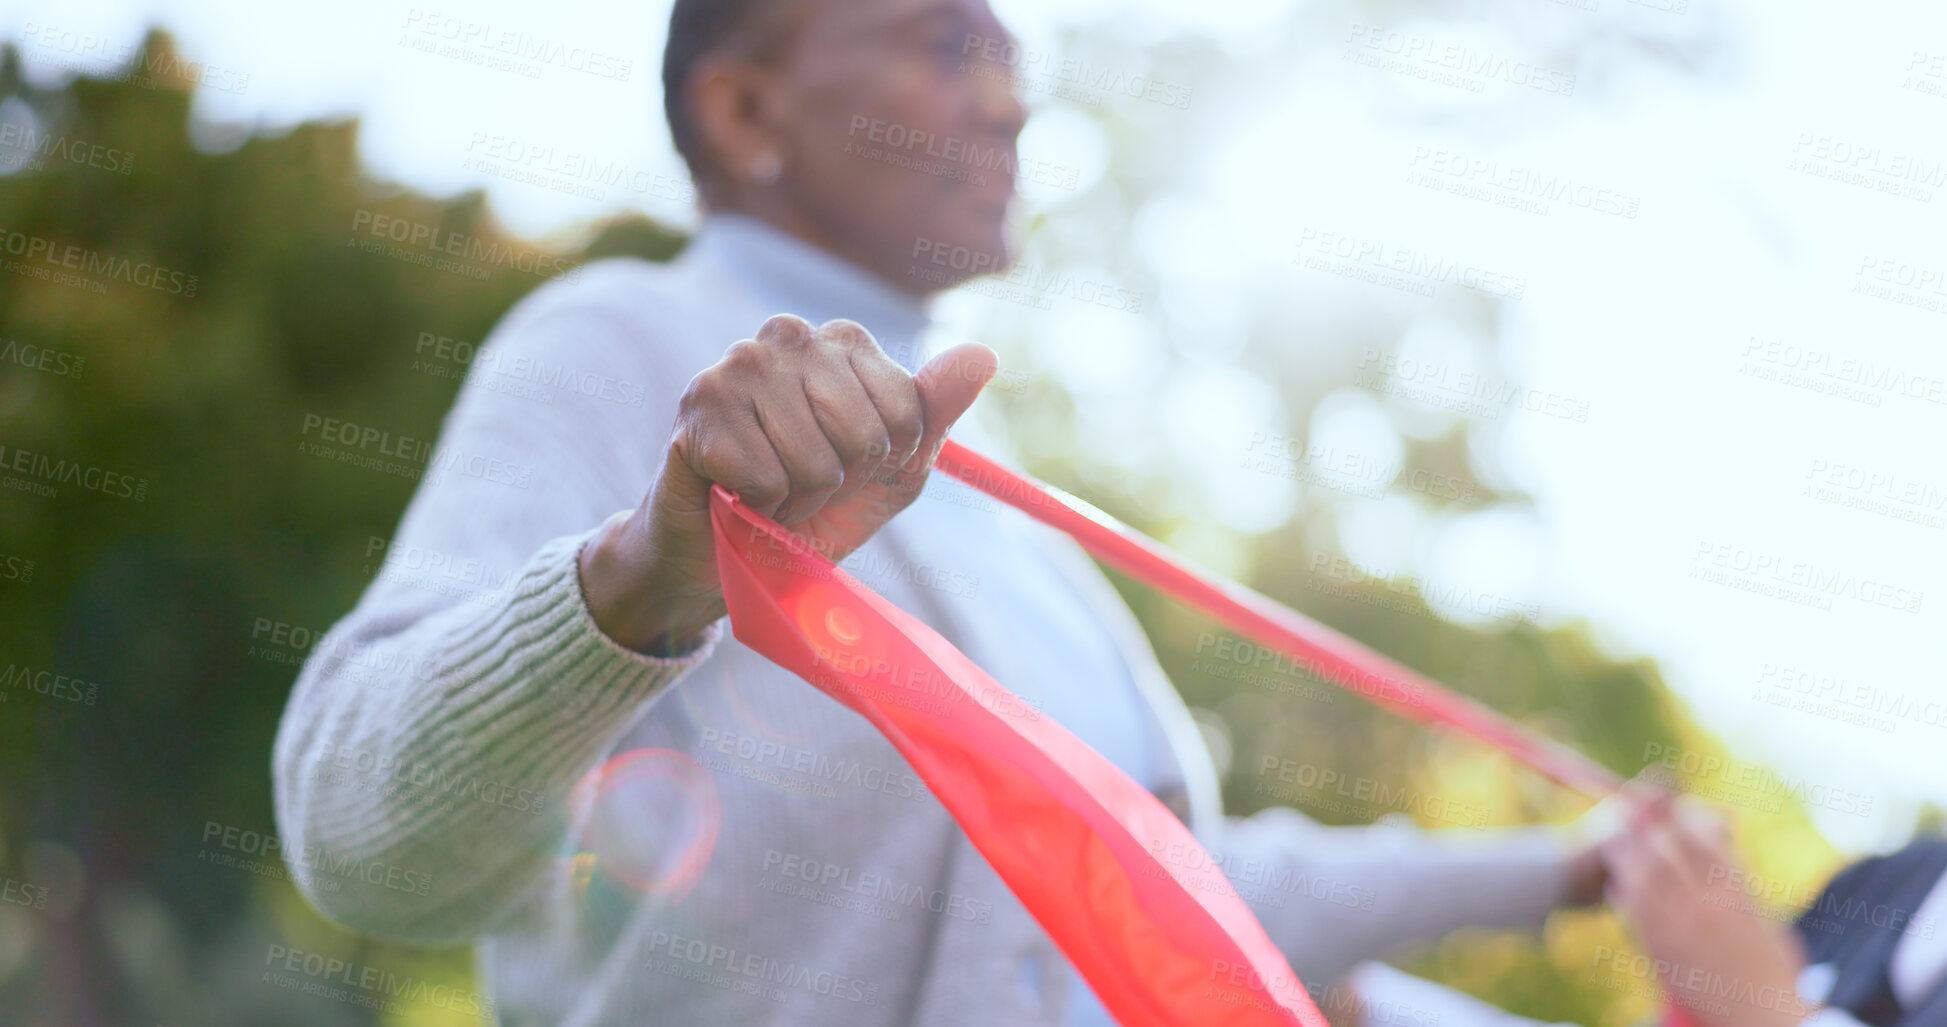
x: 653, y: 820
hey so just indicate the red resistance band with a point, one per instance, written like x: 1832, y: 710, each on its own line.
x: 1330, y: 655
x: 1117, y: 881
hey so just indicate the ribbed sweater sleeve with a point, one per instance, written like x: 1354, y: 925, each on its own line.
x: 424, y: 762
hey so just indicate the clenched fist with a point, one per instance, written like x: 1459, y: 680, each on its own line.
x: 816, y: 428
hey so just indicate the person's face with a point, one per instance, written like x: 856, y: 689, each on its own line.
x: 897, y: 120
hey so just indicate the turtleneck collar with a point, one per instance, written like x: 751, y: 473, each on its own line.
x: 788, y: 275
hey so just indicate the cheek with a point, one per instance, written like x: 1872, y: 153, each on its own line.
x: 901, y: 111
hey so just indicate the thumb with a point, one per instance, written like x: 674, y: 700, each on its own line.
x: 948, y: 385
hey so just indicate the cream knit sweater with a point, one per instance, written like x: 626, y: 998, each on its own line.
x: 755, y: 854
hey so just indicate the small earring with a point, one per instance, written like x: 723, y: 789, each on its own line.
x: 766, y: 168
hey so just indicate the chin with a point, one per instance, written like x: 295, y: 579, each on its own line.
x: 952, y: 250
x: 986, y: 230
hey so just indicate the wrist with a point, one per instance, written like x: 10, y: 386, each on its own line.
x: 630, y: 598
x: 1584, y: 876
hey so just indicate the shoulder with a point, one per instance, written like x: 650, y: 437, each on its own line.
x: 623, y: 316
x: 613, y: 288
x: 1844, y: 905
x: 1921, y: 854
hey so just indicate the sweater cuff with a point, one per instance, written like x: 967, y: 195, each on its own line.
x: 542, y: 671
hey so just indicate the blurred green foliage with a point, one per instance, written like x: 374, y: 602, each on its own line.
x: 161, y: 601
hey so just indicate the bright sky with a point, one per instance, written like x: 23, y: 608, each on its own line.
x: 1767, y: 206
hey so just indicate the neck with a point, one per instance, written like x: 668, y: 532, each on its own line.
x: 771, y: 208
x: 784, y: 272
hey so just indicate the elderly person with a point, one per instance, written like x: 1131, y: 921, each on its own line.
x: 752, y: 852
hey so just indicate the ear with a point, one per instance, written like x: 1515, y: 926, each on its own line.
x: 729, y: 98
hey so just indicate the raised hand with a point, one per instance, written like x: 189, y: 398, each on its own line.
x: 815, y: 427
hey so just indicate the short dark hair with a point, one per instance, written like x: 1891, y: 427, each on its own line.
x: 699, y: 29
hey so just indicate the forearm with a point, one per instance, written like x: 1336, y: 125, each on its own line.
x: 1330, y: 897
x: 448, y: 766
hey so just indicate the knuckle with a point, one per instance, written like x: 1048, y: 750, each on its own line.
x: 905, y: 425
x: 877, y: 366
x: 825, y: 477
x: 712, y: 457
x: 701, y: 392
x: 845, y: 422
x: 744, y: 355
x: 847, y: 333
x: 786, y: 330
x: 764, y: 489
